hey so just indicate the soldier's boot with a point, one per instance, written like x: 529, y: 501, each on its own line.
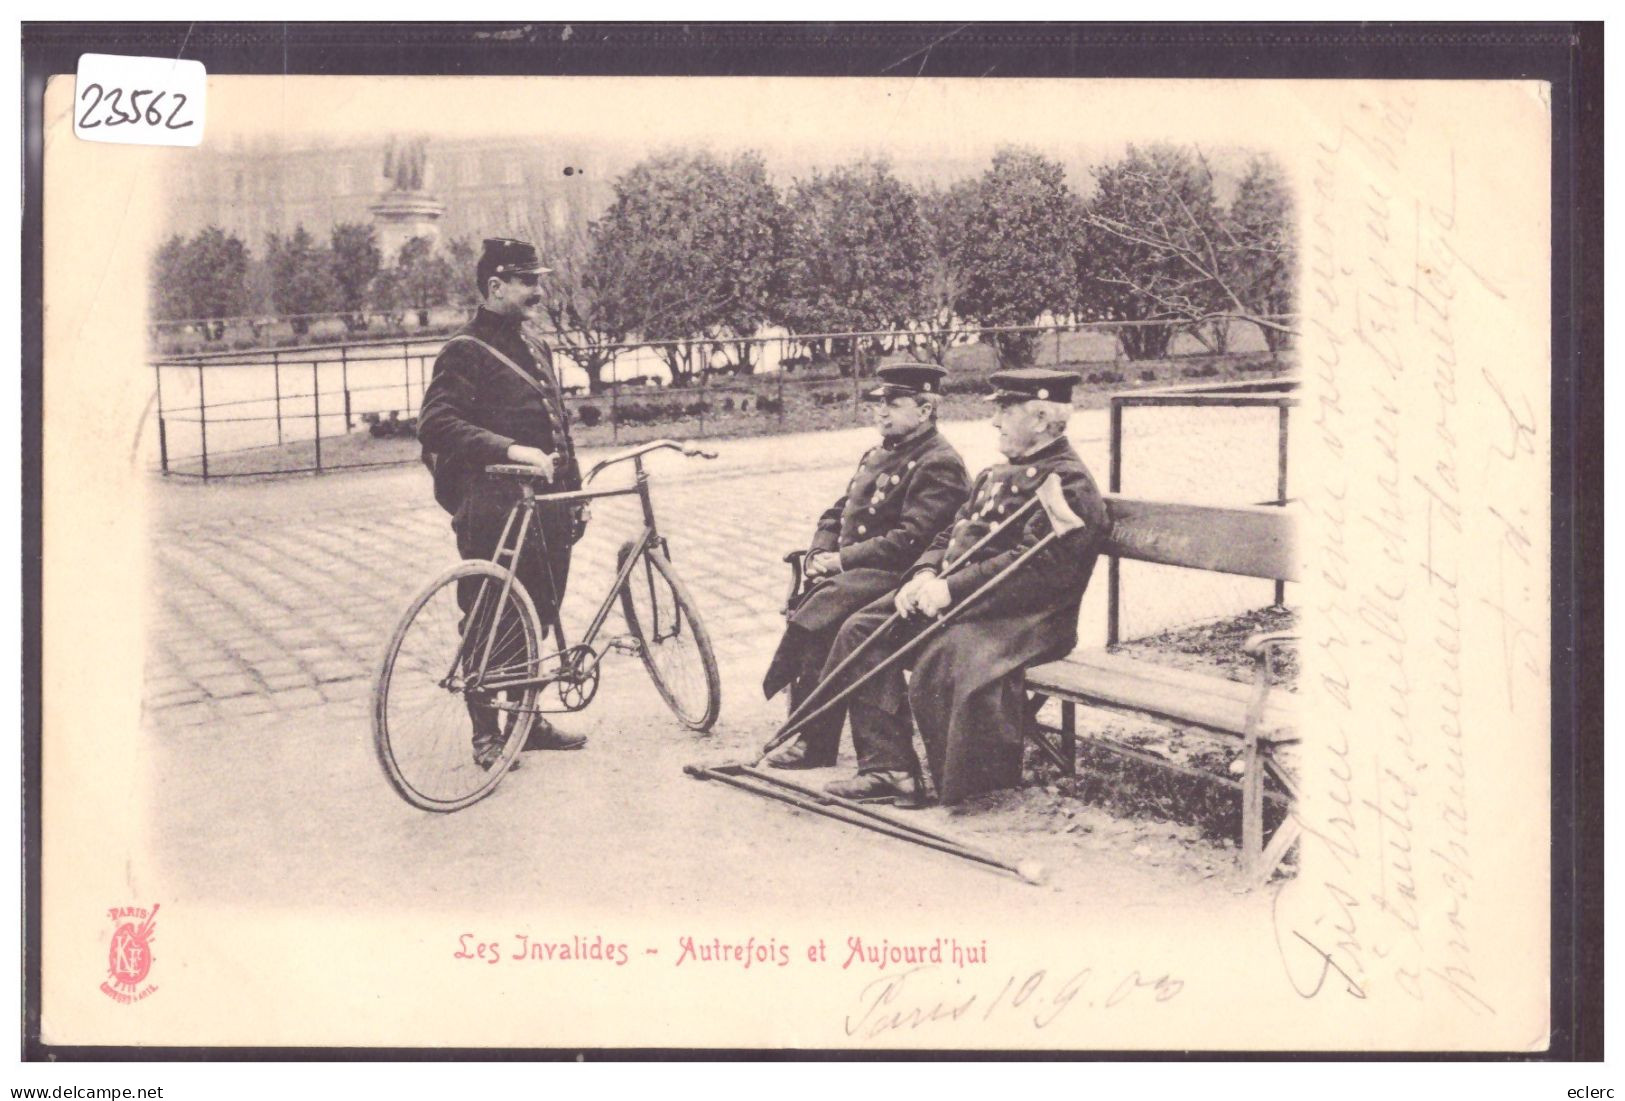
x: 490, y: 734
x: 901, y: 789
x: 816, y: 746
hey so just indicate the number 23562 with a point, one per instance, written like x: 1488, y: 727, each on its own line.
x: 139, y: 100
x: 118, y: 107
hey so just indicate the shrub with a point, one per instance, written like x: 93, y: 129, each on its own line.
x: 632, y: 412
x: 1103, y: 378
x: 1206, y: 370
x: 727, y: 405
x: 1148, y: 376
x: 769, y: 405
x: 589, y: 415
x: 697, y: 408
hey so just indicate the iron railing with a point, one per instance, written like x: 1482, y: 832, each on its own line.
x: 351, y: 381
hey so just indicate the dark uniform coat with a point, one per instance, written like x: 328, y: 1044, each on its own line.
x: 966, y: 690
x: 901, y: 497
x: 474, y: 408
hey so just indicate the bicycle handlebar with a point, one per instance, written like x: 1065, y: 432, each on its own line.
x: 688, y: 450
x: 522, y: 470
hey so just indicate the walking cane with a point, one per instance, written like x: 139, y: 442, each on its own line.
x: 1062, y: 522
x: 856, y: 814
x: 798, y: 720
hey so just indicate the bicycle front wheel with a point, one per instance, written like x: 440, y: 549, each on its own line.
x: 443, y: 741
x: 675, y: 647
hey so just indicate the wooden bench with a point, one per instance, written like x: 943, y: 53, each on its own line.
x: 1247, y: 541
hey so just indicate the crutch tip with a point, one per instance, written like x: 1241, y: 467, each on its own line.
x: 1032, y: 871
x: 699, y: 772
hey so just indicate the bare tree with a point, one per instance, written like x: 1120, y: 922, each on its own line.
x: 587, y: 325
x: 1160, y: 249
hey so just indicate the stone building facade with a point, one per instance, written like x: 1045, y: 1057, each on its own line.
x: 487, y: 187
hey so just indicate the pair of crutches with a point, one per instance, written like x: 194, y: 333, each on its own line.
x: 820, y: 701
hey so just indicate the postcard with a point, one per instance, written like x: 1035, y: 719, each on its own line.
x: 1280, y: 348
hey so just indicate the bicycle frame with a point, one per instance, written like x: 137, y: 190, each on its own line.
x: 521, y: 519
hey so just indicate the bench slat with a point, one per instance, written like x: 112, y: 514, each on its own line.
x: 1247, y: 540
x: 1114, y: 680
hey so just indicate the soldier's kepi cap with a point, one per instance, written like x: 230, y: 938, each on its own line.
x: 906, y: 377
x: 505, y: 256
x: 1032, y: 384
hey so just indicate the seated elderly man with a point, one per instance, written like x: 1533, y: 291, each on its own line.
x: 966, y: 690
x: 906, y: 490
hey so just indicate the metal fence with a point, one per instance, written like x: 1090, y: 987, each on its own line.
x: 252, y: 412
x: 1222, y: 443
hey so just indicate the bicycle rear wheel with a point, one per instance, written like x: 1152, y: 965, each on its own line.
x: 676, y: 649
x: 422, y: 726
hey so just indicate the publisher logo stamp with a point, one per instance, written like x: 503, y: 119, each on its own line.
x: 129, y: 954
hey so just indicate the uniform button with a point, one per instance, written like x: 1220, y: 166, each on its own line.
x: 911, y: 464
x: 870, y: 509
x: 1031, y: 471
x: 862, y: 530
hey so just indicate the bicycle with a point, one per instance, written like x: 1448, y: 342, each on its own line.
x: 439, y: 659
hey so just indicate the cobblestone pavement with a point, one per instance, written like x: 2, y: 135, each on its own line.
x: 280, y: 595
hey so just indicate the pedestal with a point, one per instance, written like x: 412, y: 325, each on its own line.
x: 400, y: 216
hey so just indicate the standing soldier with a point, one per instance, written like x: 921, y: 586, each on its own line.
x: 905, y: 492
x: 966, y: 690
x: 494, y: 398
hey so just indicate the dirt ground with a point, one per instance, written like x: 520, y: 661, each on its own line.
x: 266, y: 803
x: 273, y: 813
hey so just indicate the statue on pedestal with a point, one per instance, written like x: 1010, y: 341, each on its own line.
x: 403, y: 162
x: 404, y: 210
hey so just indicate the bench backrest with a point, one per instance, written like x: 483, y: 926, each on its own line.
x: 1249, y: 540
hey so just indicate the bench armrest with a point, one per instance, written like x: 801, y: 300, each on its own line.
x: 1256, y: 645
x: 795, y: 560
